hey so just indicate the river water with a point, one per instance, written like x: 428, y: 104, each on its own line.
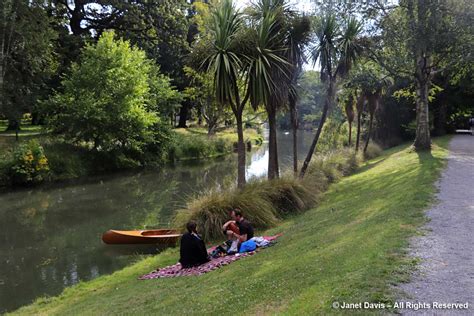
x: 50, y: 236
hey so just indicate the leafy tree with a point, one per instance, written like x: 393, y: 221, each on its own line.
x: 24, y: 32
x: 338, y: 47
x: 420, y: 39
x: 106, y: 99
x: 159, y: 27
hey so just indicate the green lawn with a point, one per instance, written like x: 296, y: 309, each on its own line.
x: 349, y: 249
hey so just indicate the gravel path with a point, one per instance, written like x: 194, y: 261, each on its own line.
x: 446, y: 271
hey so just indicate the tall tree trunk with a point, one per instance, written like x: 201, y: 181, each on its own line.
x: 183, y: 114
x: 1, y: 85
x: 360, y: 109
x: 199, y: 114
x: 369, y: 133
x: 13, y: 124
x: 327, y: 104
x: 240, y: 151
x: 294, y: 127
x: 350, y: 133
x: 273, y: 169
x: 422, y: 139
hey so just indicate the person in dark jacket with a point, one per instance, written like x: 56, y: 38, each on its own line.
x: 192, y: 248
x: 471, y: 125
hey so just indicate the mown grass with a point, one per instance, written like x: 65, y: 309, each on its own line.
x: 350, y: 248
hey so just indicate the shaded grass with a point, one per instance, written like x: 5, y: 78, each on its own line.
x: 350, y: 248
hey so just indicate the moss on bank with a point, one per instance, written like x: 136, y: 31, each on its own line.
x: 348, y: 249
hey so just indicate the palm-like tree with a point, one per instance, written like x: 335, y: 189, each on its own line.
x: 338, y: 48
x: 371, y: 83
x: 221, y: 55
x: 268, y: 68
x: 297, y: 40
x: 276, y: 58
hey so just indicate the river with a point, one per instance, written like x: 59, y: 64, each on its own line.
x: 50, y: 236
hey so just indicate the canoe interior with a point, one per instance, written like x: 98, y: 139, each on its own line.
x: 158, y: 232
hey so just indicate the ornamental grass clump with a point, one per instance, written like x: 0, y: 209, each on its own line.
x: 373, y: 150
x: 211, y: 210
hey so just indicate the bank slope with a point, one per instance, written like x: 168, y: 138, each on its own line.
x: 349, y: 249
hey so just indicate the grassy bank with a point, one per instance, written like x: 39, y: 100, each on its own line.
x: 68, y: 161
x: 350, y: 248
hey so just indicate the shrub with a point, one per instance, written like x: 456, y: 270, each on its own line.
x: 373, y: 150
x: 29, y: 164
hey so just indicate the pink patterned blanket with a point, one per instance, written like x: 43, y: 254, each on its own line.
x: 215, y: 263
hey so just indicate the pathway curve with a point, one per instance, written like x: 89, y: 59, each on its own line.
x: 446, y: 271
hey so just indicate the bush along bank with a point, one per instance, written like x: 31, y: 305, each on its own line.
x: 49, y: 158
x: 265, y: 202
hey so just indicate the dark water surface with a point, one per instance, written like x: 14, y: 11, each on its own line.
x: 50, y: 237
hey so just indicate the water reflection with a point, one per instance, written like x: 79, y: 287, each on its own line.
x: 50, y: 237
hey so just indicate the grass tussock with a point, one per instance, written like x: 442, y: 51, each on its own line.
x: 373, y: 150
x: 265, y: 202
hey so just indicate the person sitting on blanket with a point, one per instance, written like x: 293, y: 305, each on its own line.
x: 192, y: 248
x: 245, y: 229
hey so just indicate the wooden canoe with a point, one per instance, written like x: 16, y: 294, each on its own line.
x: 157, y: 236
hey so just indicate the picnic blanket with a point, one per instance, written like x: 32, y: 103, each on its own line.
x: 176, y: 270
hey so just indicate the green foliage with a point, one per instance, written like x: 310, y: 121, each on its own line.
x: 107, y: 100
x: 163, y: 97
x: 333, y: 136
x: 29, y: 164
